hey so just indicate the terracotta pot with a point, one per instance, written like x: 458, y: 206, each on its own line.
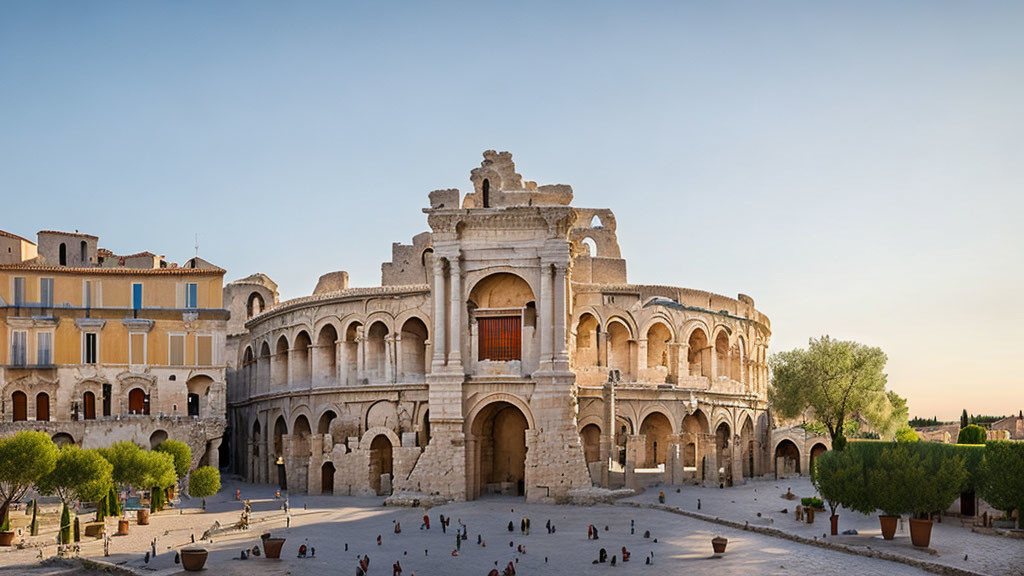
x: 122, y: 527
x: 143, y: 517
x: 809, y: 514
x: 272, y: 547
x: 835, y: 524
x: 719, y: 543
x: 193, y: 559
x: 920, y: 532
x: 6, y: 538
x: 888, y: 526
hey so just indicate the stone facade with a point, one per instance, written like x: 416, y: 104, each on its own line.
x: 504, y: 352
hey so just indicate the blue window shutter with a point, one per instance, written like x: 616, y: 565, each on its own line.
x: 137, y: 296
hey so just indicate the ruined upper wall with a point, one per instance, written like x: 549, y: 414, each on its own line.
x: 496, y: 184
x: 410, y: 263
x: 597, y: 257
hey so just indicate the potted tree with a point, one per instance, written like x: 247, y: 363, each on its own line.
x: 942, y: 477
x: 158, y: 475
x: 79, y: 475
x: 129, y: 470
x: 24, y: 458
x: 891, y: 482
x: 1001, y: 477
x: 839, y: 478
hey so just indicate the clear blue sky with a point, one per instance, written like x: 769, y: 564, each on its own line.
x: 857, y: 168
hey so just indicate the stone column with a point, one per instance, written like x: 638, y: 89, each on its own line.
x: 455, y: 339
x: 641, y: 357
x: 546, y: 317
x: 399, y: 364
x: 439, y: 337
x: 343, y: 361
x: 360, y: 355
x: 561, y: 342
x: 389, y: 359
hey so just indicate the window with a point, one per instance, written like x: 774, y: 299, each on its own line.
x: 176, y: 356
x: 19, y: 348
x: 63, y: 254
x: 88, y: 406
x: 136, y: 295
x: 85, y: 253
x: 137, y: 348
x: 19, y: 291
x: 204, y: 350
x: 191, y: 295
x: 500, y: 338
x: 90, y: 352
x: 91, y: 294
x: 20, y: 409
x: 44, y: 349
x: 46, y: 292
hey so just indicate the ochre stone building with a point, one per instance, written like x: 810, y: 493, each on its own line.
x: 505, y: 351
x: 99, y: 347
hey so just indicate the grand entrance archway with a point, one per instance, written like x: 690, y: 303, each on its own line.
x: 497, y: 451
x: 380, y: 463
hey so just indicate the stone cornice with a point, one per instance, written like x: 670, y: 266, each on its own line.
x: 32, y: 322
x: 137, y: 324
x: 90, y: 323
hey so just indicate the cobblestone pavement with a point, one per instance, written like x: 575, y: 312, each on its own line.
x: 952, y: 540
x: 330, y: 523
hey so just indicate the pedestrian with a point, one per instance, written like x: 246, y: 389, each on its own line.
x: 511, y: 526
x: 625, y: 554
x: 426, y: 522
x: 522, y: 526
x: 548, y: 525
x: 458, y: 542
x: 398, y: 527
x: 632, y: 527
x: 527, y: 526
x: 378, y: 539
x: 396, y: 569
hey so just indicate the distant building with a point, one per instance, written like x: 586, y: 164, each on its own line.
x: 98, y: 347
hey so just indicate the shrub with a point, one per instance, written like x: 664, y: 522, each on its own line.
x: 204, y: 481
x: 906, y: 435
x: 65, y: 524
x: 1001, y: 477
x: 840, y: 479
x: 972, y: 434
x: 816, y: 503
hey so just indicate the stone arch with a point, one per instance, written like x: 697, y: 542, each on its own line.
x: 280, y: 430
x: 591, y: 247
x: 588, y: 333
x: 371, y: 433
x: 723, y: 353
x: 279, y: 364
x: 323, y: 425
x: 659, y: 335
x: 481, y: 285
x: 381, y: 414
x: 327, y: 353
x: 381, y: 463
x: 19, y: 406
x: 375, y: 350
x: 62, y: 439
x: 300, y: 437
x: 414, y: 336
x: 723, y: 446
x: 157, y: 438
x: 301, y: 348
x: 255, y: 305
x: 656, y: 427
x: 138, y: 401
x: 590, y: 435
x: 818, y: 449
x: 353, y: 332
x: 787, y: 455
x: 699, y: 352
x: 498, y: 448
x: 619, y: 341
x: 747, y: 445
x: 199, y: 387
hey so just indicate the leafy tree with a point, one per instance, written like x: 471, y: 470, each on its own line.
x: 835, y: 378
x: 971, y: 434
x: 79, y: 476
x: 158, y: 470
x: 942, y: 478
x: 182, y: 456
x: 1001, y: 477
x: 886, y: 414
x: 906, y: 434
x: 839, y: 478
x: 204, y: 481
x: 892, y: 480
x: 129, y: 468
x: 24, y: 459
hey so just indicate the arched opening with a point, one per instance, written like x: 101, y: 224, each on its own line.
x: 279, y: 366
x: 19, y: 406
x: 698, y: 351
x: 424, y: 435
x: 499, y: 434
x: 695, y: 426
x: 351, y: 350
x: 302, y: 359
x: 625, y: 429
x: 280, y: 429
x: 42, y: 407
x: 380, y: 462
x: 157, y: 438
x: 88, y: 406
x: 656, y: 429
x: 376, y: 352
x: 618, y: 349
x: 327, y: 353
x: 595, y: 222
x: 63, y: 256
x: 817, y: 450
x: 323, y: 426
x: 414, y: 350
x: 248, y: 370
x: 63, y: 439
x: 747, y: 446
x: 588, y: 332
x: 301, y: 452
x: 138, y: 403
x: 327, y: 478
x: 723, y: 356
x: 84, y: 253
x: 738, y: 356
x: 589, y: 246
x: 198, y: 394
x: 723, y: 445
x: 486, y: 189
x: 787, y: 459
x: 499, y: 305
x: 254, y: 305
x: 257, y: 441
x: 658, y: 338
x: 264, y: 366
x: 591, y: 437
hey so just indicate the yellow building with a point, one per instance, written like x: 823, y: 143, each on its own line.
x: 99, y: 347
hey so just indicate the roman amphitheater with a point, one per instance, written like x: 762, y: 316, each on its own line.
x: 504, y: 352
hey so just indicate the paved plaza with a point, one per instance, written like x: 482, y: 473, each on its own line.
x: 329, y: 524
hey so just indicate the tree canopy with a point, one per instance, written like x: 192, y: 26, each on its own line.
x: 971, y: 434
x: 79, y: 476
x: 182, y: 455
x: 142, y: 470
x: 204, y: 481
x: 24, y: 458
x: 1001, y: 481
x: 835, y: 378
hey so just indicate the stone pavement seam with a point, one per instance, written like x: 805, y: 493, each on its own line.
x: 933, y: 567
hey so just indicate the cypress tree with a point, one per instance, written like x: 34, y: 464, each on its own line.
x: 34, y: 526
x: 65, y: 525
x: 963, y: 419
x: 101, y: 509
x: 78, y: 530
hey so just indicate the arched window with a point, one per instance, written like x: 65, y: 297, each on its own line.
x: 85, y: 253
x: 487, y: 193
x: 20, y: 406
x: 43, y: 407
x: 63, y: 254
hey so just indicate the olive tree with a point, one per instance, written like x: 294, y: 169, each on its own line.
x: 79, y: 475
x: 24, y: 459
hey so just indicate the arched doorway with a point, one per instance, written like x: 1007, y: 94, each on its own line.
x: 89, y: 406
x: 137, y: 402
x: 42, y: 407
x: 255, y: 466
x: 280, y: 429
x: 19, y: 406
x: 656, y: 429
x: 618, y: 349
x: 327, y: 478
x: 591, y: 437
x: 787, y: 459
x: 63, y: 439
x: 588, y: 331
x: 380, y: 462
x: 816, y: 451
x: 723, y: 437
x: 698, y: 356
x: 499, y: 435
x: 327, y: 353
